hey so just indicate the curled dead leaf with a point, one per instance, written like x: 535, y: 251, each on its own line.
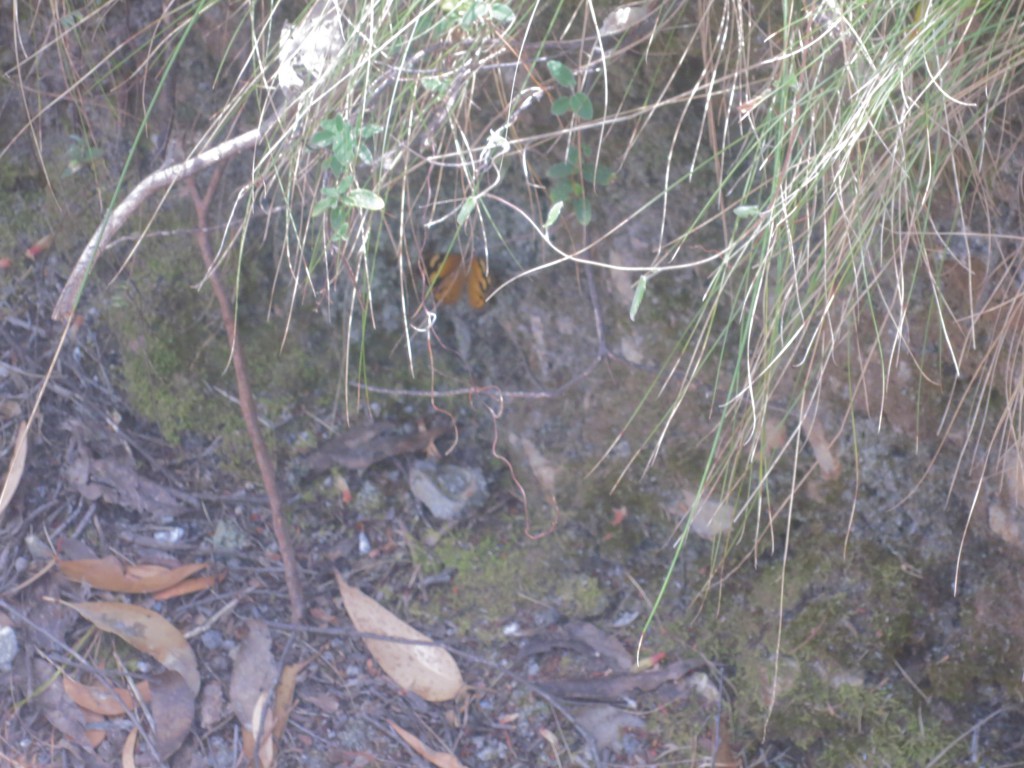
x: 410, y: 658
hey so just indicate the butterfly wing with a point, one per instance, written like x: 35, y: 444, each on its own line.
x: 446, y: 275
x: 477, y: 284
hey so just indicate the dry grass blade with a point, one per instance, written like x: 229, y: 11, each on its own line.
x: 16, y: 467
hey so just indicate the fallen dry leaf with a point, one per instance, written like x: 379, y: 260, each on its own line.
x: 262, y: 725
x: 544, y: 471
x: 440, y: 759
x: 415, y: 662
x: 187, y: 587
x: 109, y: 574
x: 173, y: 708
x: 99, y: 699
x: 40, y: 245
x: 709, y: 517
x: 62, y: 713
x: 254, y: 672
x: 625, y: 17
x: 284, y: 695
x: 16, y: 468
x: 128, y: 750
x: 607, y: 724
x: 146, y: 631
x: 363, y: 446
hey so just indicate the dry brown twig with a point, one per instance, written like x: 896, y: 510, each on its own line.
x: 245, y: 398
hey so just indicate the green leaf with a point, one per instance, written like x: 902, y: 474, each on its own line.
x: 496, y: 12
x: 561, y: 105
x: 582, y: 105
x: 366, y: 199
x: 604, y: 176
x: 561, y: 171
x: 468, y: 206
x: 562, y: 74
x: 339, y: 222
x: 638, y: 297
x: 502, y: 14
x: 561, y: 192
x: 584, y: 213
x: 321, y: 205
x: 553, y: 214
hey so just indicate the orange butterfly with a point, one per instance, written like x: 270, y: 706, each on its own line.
x: 452, y: 275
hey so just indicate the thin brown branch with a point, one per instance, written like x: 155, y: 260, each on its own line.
x: 115, y: 219
x: 247, y: 402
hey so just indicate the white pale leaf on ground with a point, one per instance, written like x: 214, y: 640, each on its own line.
x: 709, y: 517
x: 411, y: 659
x: 624, y: 17
x: 254, y: 672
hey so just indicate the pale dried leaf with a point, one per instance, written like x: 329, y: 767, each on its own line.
x: 414, y: 662
x: 128, y: 750
x: 440, y: 759
x: 710, y: 517
x: 146, y: 631
x: 263, y: 726
x: 109, y: 574
x: 16, y: 468
x: 624, y: 17
x: 255, y: 671
x: 543, y: 470
x: 822, y: 450
x: 606, y: 724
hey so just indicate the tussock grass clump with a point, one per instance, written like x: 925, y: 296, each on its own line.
x: 862, y: 158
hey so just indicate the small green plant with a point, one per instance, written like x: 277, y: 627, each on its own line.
x: 576, y: 102
x: 79, y: 154
x: 346, y: 144
x: 569, y: 178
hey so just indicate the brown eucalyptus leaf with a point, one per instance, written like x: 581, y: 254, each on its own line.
x: 284, y: 695
x: 414, y: 661
x: 440, y: 759
x: 109, y: 574
x: 101, y: 700
x: 146, y: 631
